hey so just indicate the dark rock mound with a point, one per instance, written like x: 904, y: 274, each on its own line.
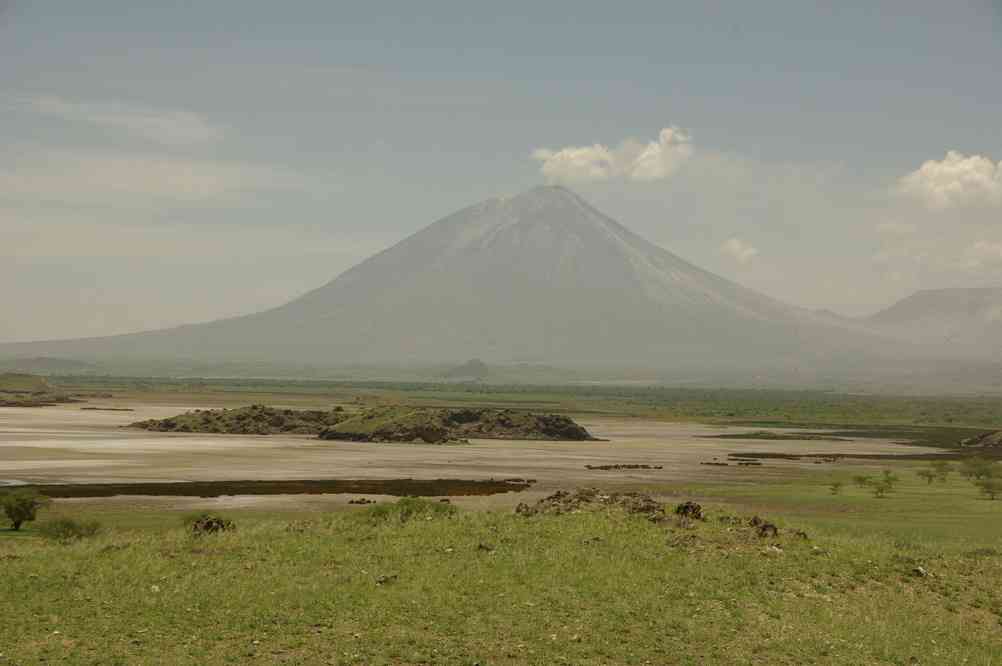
x: 591, y: 499
x: 253, y: 420
x: 210, y: 524
x: 989, y: 440
x: 690, y: 510
x: 439, y: 426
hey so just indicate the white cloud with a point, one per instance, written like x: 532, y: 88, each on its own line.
x: 955, y: 181
x: 164, y: 126
x: 92, y: 177
x: 631, y: 160
x: 739, y: 250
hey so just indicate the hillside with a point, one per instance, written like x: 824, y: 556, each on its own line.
x: 956, y: 322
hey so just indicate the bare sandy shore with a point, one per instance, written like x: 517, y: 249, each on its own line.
x: 65, y: 444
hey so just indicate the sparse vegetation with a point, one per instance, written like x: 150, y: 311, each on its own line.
x: 408, y: 509
x: 66, y: 530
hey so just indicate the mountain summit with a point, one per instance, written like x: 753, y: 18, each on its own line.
x: 542, y: 276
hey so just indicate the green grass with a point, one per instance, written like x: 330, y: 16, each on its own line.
x: 415, y: 583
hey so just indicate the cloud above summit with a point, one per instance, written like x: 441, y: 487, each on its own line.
x: 631, y: 160
x: 956, y: 181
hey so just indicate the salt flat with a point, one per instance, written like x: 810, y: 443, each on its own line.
x: 65, y: 444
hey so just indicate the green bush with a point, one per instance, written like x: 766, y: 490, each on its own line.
x: 407, y: 509
x: 21, y: 506
x: 67, y: 529
x: 990, y: 487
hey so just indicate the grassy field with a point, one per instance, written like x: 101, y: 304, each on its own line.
x: 912, y: 578
x: 909, y: 578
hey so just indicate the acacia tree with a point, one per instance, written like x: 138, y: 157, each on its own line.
x: 885, y: 484
x: 990, y: 487
x: 21, y: 506
x: 942, y: 469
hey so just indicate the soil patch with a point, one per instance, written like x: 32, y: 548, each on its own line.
x: 394, y: 487
x: 779, y: 436
x: 623, y: 466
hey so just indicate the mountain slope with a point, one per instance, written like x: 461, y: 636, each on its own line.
x: 956, y: 322
x: 539, y: 276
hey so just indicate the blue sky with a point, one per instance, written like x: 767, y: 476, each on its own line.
x: 183, y: 161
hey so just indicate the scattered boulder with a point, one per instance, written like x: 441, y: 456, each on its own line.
x: 690, y: 511
x: 763, y: 527
x: 209, y: 524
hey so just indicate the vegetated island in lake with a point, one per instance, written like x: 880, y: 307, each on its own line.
x: 440, y: 426
x: 380, y: 424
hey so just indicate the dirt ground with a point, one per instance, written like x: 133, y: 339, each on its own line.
x: 65, y: 444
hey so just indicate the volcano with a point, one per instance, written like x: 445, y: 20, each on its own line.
x: 542, y: 276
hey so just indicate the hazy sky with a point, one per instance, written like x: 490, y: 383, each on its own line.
x: 177, y: 163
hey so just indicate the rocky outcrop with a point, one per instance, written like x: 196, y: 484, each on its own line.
x: 253, y: 420
x: 439, y: 426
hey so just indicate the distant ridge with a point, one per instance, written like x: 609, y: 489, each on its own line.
x: 954, y: 322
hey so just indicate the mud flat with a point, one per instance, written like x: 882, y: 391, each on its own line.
x: 64, y: 445
x: 390, y: 487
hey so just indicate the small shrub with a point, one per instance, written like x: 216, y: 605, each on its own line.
x: 200, y: 524
x: 929, y: 475
x: 67, y: 529
x: 835, y: 487
x: 407, y: 509
x: 942, y: 469
x: 990, y: 487
x: 977, y: 468
x: 21, y: 506
x: 884, y: 486
x: 862, y: 480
